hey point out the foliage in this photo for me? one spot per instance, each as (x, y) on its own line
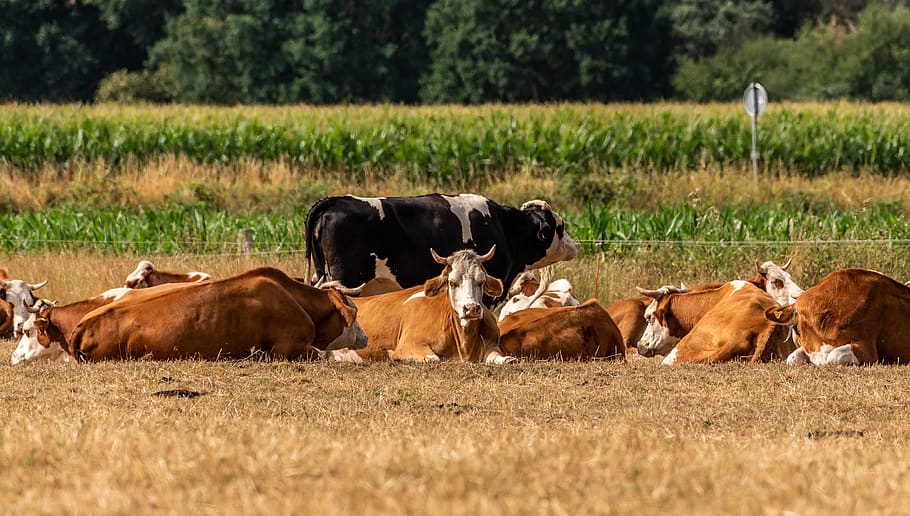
(126, 86)
(503, 50)
(704, 26)
(58, 51)
(457, 148)
(324, 51)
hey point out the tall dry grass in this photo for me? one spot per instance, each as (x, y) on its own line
(253, 437)
(250, 185)
(530, 438)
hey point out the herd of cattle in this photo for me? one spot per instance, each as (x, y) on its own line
(424, 293)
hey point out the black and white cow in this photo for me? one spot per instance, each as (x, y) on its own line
(355, 240)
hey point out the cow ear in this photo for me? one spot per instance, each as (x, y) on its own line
(781, 314)
(348, 313)
(492, 287)
(435, 286)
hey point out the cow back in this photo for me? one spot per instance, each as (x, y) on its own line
(569, 333)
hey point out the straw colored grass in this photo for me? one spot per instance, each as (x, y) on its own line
(531, 438)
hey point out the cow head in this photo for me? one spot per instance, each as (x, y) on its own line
(139, 277)
(352, 335)
(38, 340)
(19, 294)
(466, 281)
(657, 339)
(551, 232)
(778, 283)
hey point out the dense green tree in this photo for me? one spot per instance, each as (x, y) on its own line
(318, 51)
(704, 26)
(542, 50)
(57, 50)
(877, 63)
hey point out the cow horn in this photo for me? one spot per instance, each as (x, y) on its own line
(656, 294)
(344, 290)
(36, 286)
(759, 268)
(784, 266)
(439, 259)
(31, 309)
(320, 281)
(489, 254)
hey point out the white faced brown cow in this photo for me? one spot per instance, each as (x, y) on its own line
(852, 316)
(19, 294)
(443, 320)
(146, 275)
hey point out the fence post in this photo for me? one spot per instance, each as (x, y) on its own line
(245, 241)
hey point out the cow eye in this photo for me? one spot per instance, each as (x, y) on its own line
(453, 284)
(777, 283)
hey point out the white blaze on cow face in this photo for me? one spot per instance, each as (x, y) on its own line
(19, 294)
(656, 339)
(466, 281)
(29, 348)
(778, 283)
(375, 202)
(137, 278)
(461, 206)
(562, 246)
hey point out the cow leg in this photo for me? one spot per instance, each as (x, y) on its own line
(415, 353)
(798, 357)
(671, 358)
(495, 357)
(843, 355)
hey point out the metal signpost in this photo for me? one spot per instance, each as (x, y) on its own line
(756, 100)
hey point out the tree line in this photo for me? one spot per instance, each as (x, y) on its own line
(451, 51)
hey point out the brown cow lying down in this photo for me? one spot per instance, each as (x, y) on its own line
(146, 275)
(735, 328)
(853, 316)
(421, 324)
(573, 332)
(260, 310)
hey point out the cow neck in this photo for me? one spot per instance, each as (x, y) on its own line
(55, 333)
(467, 340)
(686, 311)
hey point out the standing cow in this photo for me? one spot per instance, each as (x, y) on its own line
(356, 240)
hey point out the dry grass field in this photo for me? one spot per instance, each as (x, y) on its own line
(256, 437)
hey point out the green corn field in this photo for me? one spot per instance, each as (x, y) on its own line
(458, 146)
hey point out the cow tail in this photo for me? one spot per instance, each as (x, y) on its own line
(312, 227)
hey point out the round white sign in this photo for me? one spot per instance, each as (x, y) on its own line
(755, 98)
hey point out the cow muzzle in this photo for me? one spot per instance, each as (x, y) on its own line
(471, 311)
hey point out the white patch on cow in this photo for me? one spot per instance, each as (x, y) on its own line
(375, 202)
(29, 349)
(382, 269)
(798, 357)
(670, 359)
(560, 249)
(344, 355)
(20, 295)
(415, 295)
(779, 284)
(842, 355)
(497, 359)
(656, 339)
(432, 357)
(820, 357)
(737, 286)
(461, 206)
(115, 293)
